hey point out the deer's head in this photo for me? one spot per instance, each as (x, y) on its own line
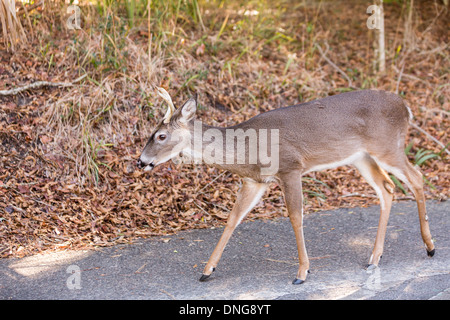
(171, 136)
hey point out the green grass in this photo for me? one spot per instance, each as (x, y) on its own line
(420, 158)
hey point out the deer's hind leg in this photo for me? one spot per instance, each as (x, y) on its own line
(384, 187)
(414, 180)
(412, 177)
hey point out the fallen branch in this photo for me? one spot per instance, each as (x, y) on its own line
(415, 126)
(410, 76)
(34, 85)
(335, 67)
(399, 79)
(39, 84)
(29, 7)
(357, 194)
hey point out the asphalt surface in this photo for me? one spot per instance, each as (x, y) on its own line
(259, 262)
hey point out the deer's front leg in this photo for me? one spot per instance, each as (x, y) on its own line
(292, 188)
(249, 195)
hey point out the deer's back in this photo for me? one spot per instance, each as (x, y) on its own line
(336, 126)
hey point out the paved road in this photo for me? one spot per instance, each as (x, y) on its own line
(258, 263)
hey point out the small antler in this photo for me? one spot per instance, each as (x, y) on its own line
(171, 108)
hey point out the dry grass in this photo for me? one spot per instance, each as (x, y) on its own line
(117, 99)
(233, 57)
(13, 32)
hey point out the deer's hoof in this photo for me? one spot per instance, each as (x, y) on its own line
(204, 277)
(300, 281)
(431, 253)
(371, 266)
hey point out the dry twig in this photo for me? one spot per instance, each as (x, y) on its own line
(350, 84)
(39, 84)
(415, 126)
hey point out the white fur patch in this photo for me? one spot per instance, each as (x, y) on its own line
(331, 165)
(365, 171)
(262, 189)
(410, 112)
(396, 172)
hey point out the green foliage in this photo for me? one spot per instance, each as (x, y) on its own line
(422, 155)
(398, 184)
(420, 158)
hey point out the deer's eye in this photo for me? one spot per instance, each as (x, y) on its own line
(161, 137)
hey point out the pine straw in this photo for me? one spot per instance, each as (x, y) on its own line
(68, 177)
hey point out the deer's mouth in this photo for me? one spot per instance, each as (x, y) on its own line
(149, 167)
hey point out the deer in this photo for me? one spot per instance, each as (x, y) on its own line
(366, 129)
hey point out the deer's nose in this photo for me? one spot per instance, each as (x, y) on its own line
(140, 164)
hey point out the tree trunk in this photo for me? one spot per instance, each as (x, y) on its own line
(381, 47)
(409, 37)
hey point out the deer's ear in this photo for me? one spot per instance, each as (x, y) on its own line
(187, 112)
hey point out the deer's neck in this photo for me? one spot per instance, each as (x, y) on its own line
(247, 152)
(208, 144)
